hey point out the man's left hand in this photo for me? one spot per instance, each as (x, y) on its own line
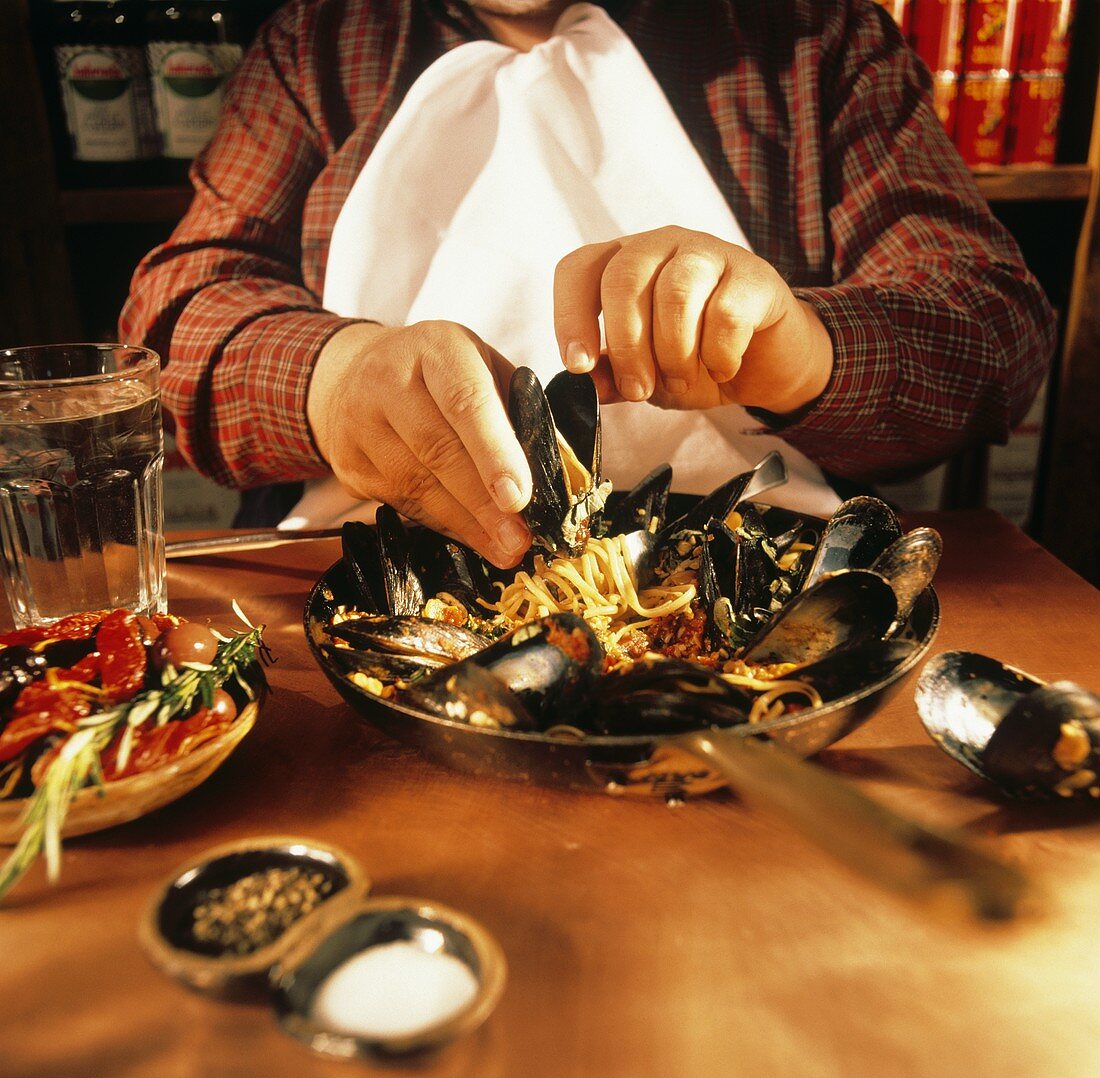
(691, 321)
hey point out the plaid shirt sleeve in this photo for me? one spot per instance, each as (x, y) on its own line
(223, 300)
(940, 335)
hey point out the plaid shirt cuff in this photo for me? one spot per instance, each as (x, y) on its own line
(862, 383)
(279, 442)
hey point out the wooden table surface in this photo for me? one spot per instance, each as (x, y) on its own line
(642, 939)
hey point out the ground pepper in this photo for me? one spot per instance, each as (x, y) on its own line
(255, 910)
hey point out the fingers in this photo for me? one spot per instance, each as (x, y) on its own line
(578, 302)
(680, 310)
(681, 294)
(470, 405)
(413, 417)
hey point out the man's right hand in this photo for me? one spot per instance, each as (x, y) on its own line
(414, 417)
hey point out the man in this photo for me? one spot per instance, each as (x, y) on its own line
(881, 321)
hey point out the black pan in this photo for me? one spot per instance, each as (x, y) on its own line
(824, 807)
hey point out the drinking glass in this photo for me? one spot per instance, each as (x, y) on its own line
(81, 456)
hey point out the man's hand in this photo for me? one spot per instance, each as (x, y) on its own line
(691, 322)
(414, 417)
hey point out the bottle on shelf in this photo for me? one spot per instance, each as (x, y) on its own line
(102, 83)
(192, 47)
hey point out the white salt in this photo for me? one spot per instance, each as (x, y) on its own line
(393, 990)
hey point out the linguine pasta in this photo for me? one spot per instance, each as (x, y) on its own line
(599, 586)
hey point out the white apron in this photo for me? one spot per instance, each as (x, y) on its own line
(496, 165)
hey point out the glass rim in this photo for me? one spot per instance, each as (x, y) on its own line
(149, 360)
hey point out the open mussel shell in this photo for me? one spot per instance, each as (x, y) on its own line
(854, 537)
(645, 548)
(1028, 737)
(643, 507)
(847, 670)
(469, 693)
(408, 636)
(837, 612)
(551, 664)
(908, 564)
(558, 429)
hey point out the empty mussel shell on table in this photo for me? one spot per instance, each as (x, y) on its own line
(1027, 736)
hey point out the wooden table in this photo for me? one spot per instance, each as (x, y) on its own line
(642, 939)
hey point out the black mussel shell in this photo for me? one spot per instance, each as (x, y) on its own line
(448, 566)
(1028, 737)
(653, 712)
(855, 535)
(770, 471)
(404, 593)
(558, 515)
(470, 694)
(408, 636)
(835, 613)
(359, 543)
(1048, 740)
(386, 666)
(673, 676)
(650, 551)
(908, 564)
(643, 507)
(551, 664)
(851, 669)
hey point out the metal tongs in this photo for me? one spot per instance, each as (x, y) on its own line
(257, 540)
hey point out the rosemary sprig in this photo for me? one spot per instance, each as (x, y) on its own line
(78, 762)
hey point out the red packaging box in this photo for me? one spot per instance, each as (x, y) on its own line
(1044, 36)
(937, 33)
(945, 99)
(991, 36)
(981, 125)
(1033, 119)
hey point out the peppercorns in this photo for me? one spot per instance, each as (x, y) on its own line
(255, 910)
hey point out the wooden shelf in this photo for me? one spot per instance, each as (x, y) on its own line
(1034, 183)
(124, 205)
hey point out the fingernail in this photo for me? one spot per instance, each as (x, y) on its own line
(577, 358)
(511, 536)
(676, 385)
(505, 492)
(632, 389)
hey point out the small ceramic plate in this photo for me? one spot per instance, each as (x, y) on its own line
(118, 802)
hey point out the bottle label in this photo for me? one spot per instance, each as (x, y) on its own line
(106, 102)
(188, 84)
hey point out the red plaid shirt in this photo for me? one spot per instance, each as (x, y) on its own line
(813, 117)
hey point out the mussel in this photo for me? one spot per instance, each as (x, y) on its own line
(836, 613)
(856, 534)
(559, 431)
(1028, 737)
(550, 665)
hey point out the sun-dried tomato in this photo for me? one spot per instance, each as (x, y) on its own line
(42, 708)
(74, 627)
(154, 746)
(122, 658)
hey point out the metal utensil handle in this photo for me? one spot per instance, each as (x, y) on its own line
(938, 867)
(258, 540)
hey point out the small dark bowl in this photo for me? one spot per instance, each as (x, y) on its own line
(166, 928)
